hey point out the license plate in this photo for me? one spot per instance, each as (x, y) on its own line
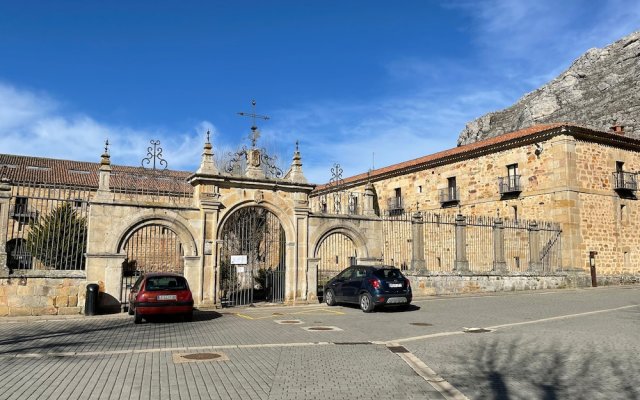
(395, 285)
(167, 297)
(396, 300)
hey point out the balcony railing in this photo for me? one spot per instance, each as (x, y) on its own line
(626, 181)
(449, 195)
(509, 184)
(394, 204)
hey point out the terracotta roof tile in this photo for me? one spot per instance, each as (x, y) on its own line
(79, 173)
(486, 144)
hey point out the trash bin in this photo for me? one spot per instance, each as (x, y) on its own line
(91, 299)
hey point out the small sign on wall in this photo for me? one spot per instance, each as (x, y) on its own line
(239, 260)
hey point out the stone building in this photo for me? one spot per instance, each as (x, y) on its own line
(529, 209)
(585, 180)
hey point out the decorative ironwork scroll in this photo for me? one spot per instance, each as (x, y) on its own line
(265, 161)
(154, 156)
(336, 181)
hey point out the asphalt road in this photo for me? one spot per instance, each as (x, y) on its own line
(565, 344)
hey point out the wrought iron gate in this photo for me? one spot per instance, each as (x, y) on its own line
(252, 259)
(152, 248)
(336, 252)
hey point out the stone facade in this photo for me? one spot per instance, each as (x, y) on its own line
(566, 176)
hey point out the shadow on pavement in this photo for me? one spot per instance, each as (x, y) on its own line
(385, 309)
(517, 369)
(198, 316)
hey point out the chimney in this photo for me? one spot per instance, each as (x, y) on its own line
(617, 129)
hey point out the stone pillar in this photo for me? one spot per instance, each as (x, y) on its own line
(106, 271)
(499, 263)
(534, 247)
(301, 279)
(369, 195)
(5, 200)
(417, 240)
(209, 276)
(461, 263)
(192, 274)
(312, 279)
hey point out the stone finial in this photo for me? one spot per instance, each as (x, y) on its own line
(295, 173)
(105, 158)
(207, 164)
(105, 170)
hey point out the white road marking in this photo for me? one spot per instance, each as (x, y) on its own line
(537, 321)
(560, 317)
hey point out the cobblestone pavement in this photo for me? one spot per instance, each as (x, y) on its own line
(309, 352)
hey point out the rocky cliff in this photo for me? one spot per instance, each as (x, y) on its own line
(600, 89)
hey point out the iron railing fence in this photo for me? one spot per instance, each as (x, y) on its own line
(397, 248)
(340, 203)
(47, 226)
(518, 239)
(151, 186)
(439, 241)
(479, 243)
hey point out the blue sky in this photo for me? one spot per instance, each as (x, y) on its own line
(360, 83)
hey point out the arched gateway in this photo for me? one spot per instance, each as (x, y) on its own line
(243, 234)
(252, 257)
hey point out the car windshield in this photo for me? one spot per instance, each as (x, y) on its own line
(388, 273)
(166, 283)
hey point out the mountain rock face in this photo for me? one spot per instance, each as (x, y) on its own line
(600, 89)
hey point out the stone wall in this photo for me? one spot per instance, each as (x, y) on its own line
(36, 294)
(451, 284)
(609, 221)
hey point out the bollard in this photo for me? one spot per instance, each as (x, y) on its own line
(91, 299)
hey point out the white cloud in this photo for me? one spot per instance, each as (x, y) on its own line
(389, 130)
(35, 124)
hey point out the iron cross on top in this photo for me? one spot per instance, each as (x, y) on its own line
(255, 134)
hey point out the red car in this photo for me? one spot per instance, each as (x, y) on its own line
(160, 293)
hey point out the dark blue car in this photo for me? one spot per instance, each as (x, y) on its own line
(369, 286)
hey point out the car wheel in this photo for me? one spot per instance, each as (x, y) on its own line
(366, 302)
(137, 318)
(330, 298)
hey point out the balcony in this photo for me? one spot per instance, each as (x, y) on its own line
(626, 182)
(449, 196)
(394, 205)
(509, 185)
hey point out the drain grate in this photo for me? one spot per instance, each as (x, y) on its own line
(277, 313)
(397, 349)
(476, 330)
(321, 328)
(420, 324)
(195, 357)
